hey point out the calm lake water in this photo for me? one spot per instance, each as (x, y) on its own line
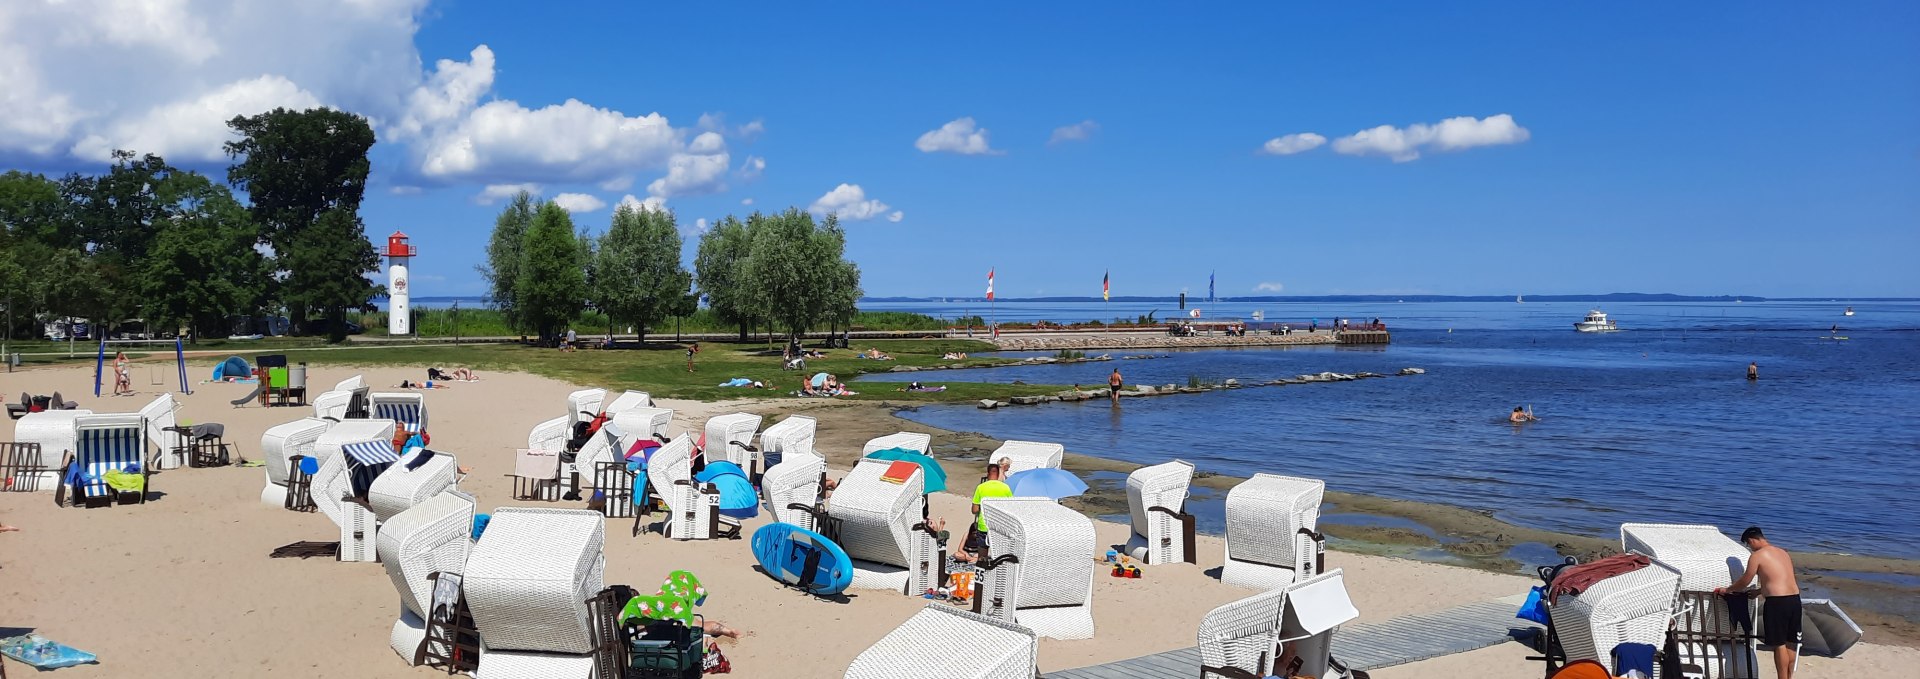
(1655, 423)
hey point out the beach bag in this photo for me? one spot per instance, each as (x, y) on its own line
(664, 649)
(1535, 608)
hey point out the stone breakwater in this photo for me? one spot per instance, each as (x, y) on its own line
(1157, 341)
(1144, 390)
(1035, 360)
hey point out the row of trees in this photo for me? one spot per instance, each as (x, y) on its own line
(171, 246)
(782, 270)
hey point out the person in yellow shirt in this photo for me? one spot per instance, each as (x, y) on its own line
(994, 486)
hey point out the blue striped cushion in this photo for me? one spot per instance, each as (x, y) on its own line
(372, 452)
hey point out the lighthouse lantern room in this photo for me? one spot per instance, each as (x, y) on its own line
(399, 312)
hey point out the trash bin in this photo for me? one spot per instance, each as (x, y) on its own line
(297, 376)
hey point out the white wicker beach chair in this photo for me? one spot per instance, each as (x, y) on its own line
(553, 434)
(1039, 570)
(883, 529)
(1709, 645)
(791, 436)
(943, 642)
(729, 438)
(529, 665)
(170, 450)
(621, 431)
(1314, 609)
(332, 404)
(1027, 455)
(53, 430)
(279, 445)
(407, 408)
(431, 537)
(103, 443)
(398, 489)
(529, 577)
(919, 443)
(1635, 607)
(1271, 537)
(1156, 501)
(693, 510)
(792, 489)
(1242, 638)
(627, 400)
(359, 530)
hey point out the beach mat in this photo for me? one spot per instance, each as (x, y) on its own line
(307, 550)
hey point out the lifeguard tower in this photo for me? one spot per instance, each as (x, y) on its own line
(399, 312)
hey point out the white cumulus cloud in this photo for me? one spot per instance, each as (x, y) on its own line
(579, 202)
(961, 136)
(1080, 131)
(700, 225)
(1268, 287)
(1452, 134)
(851, 203)
(1293, 143)
(494, 193)
(896, 216)
(746, 201)
(700, 169)
(752, 167)
(649, 204)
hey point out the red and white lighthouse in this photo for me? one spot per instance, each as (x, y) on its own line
(399, 312)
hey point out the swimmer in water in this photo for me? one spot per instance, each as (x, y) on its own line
(1521, 416)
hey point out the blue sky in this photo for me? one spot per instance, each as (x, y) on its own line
(1753, 148)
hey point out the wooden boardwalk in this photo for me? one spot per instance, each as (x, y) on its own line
(1363, 647)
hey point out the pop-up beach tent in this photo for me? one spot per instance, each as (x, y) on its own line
(234, 366)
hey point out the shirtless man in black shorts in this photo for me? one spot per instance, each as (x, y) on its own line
(1780, 613)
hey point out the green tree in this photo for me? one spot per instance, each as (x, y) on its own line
(203, 266)
(551, 287)
(327, 267)
(790, 273)
(502, 269)
(637, 274)
(298, 169)
(843, 279)
(33, 209)
(720, 265)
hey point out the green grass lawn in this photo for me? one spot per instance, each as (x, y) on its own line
(661, 368)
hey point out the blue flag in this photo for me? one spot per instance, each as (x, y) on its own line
(1209, 286)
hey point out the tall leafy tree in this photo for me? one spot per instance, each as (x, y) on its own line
(843, 279)
(720, 267)
(551, 287)
(637, 274)
(502, 269)
(326, 270)
(203, 266)
(790, 276)
(298, 169)
(33, 209)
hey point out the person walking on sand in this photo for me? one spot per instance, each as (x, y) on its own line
(1780, 612)
(1753, 371)
(1113, 386)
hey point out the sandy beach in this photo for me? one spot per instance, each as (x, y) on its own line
(183, 586)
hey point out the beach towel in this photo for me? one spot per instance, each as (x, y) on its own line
(480, 524)
(43, 653)
(1739, 613)
(1576, 579)
(1633, 657)
(737, 382)
(125, 482)
(898, 472)
(675, 601)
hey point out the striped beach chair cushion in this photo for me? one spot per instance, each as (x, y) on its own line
(371, 452)
(406, 414)
(99, 451)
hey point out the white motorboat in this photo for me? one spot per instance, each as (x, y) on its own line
(1596, 321)
(1849, 311)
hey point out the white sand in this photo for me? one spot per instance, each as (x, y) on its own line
(183, 587)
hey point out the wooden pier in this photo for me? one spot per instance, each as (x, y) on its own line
(1363, 337)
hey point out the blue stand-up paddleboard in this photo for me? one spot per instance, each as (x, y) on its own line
(802, 558)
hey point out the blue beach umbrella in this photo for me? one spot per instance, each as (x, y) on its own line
(819, 380)
(737, 498)
(936, 476)
(1046, 482)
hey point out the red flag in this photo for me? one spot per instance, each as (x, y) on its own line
(1106, 286)
(989, 284)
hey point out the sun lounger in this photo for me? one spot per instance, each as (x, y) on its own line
(1156, 501)
(1027, 455)
(407, 408)
(1634, 607)
(729, 438)
(359, 530)
(529, 577)
(883, 529)
(1248, 638)
(431, 537)
(793, 435)
(950, 644)
(1039, 567)
(53, 431)
(1708, 645)
(170, 447)
(918, 443)
(398, 488)
(693, 510)
(1271, 531)
(792, 489)
(279, 446)
(107, 443)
